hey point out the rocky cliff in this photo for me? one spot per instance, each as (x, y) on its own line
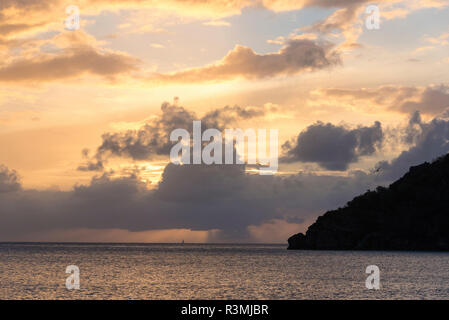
(411, 214)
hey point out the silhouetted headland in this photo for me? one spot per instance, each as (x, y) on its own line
(411, 214)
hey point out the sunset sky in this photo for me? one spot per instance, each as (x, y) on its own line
(85, 114)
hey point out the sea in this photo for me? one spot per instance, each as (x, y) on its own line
(215, 271)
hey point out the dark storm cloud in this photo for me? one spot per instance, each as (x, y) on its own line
(153, 138)
(198, 197)
(429, 140)
(333, 147)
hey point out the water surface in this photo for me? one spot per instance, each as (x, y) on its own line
(206, 271)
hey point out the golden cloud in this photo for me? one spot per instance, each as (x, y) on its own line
(242, 62)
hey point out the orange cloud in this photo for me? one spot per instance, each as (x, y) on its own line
(120, 235)
(76, 54)
(72, 63)
(432, 99)
(242, 62)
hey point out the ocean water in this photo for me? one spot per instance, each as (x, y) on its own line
(206, 271)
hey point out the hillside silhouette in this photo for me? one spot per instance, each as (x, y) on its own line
(411, 214)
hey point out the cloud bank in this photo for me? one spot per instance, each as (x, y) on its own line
(195, 197)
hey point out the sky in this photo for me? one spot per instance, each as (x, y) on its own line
(86, 112)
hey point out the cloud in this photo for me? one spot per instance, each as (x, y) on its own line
(333, 147)
(348, 20)
(153, 138)
(431, 100)
(23, 20)
(224, 197)
(7, 29)
(20, 18)
(9, 180)
(345, 20)
(242, 62)
(194, 197)
(441, 40)
(28, 17)
(217, 23)
(15, 13)
(71, 63)
(122, 236)
(74, 54)
(429, 140)
(222, 200)
(236, 205)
